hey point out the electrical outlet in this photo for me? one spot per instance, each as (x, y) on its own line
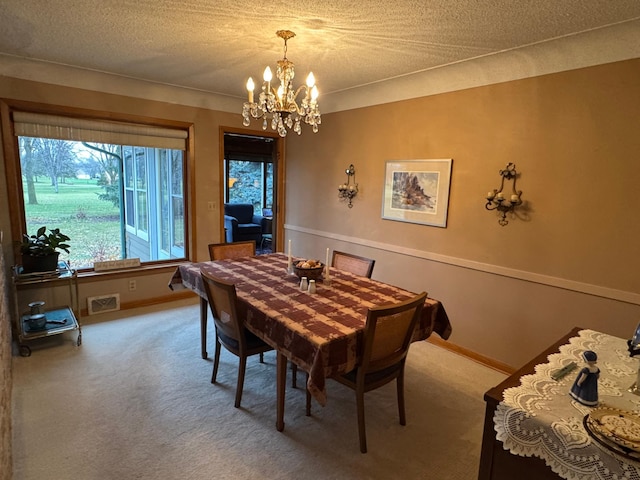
(132, 285)
(210, 206)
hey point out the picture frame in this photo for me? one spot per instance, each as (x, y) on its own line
(417, 191)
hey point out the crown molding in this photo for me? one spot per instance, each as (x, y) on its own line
(605, 45)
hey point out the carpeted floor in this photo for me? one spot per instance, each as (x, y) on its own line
(135, 402)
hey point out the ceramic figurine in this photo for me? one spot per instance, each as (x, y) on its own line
(585, 387)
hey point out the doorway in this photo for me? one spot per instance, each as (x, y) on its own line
(252, 175)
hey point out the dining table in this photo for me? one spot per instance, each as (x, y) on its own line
(321, 332)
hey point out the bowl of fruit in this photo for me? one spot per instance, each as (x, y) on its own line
(312, 269)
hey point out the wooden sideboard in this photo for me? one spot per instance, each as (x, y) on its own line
(496, 463)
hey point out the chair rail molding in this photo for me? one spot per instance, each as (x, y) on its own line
(586, 288)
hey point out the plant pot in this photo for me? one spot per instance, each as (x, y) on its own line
(44, 263)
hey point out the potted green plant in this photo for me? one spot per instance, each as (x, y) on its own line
(40, 251)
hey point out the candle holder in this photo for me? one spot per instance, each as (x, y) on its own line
(348, 191)
(496, 199)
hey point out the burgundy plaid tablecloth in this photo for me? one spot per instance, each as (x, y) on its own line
(319, 332)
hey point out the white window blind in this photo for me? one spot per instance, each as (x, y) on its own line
(28, 124)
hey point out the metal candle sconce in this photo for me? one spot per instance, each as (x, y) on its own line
(496, 200)
(348, 191)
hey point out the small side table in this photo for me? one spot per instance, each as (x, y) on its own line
(58, 319)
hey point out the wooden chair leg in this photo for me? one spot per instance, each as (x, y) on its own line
(361, 428)
(204, 309)
(294, 375)
(401, 412)
(308, 403)
(241, 369)
(216, 361)
(261, 357)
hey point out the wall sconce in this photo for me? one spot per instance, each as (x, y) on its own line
(348, 191)
(497, 200)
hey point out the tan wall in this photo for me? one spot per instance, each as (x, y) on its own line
(573, 137)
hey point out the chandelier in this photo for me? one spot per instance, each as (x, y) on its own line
(281, 104)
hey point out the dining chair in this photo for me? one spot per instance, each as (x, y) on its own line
(221, 251)
(386, 340)
(230, 330)
(352, 263)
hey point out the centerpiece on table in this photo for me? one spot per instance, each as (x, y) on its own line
(312, 269)
(40, 252)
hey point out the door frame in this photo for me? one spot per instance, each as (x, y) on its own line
(279, 170)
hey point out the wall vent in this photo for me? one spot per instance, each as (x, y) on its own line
(103, 303)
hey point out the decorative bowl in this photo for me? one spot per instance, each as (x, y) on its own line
(312, 273)
(37, 322)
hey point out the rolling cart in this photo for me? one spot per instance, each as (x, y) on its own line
(54, 320)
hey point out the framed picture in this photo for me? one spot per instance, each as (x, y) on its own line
(417, 191)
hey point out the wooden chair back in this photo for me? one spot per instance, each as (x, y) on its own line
(388, 333)
(222, 300)
(387, 336)
(222, 251)
(352, 263)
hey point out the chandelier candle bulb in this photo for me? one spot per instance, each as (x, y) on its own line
(250, 87)
(311, 81)
(514, 199)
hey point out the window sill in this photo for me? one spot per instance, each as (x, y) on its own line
(92, 276)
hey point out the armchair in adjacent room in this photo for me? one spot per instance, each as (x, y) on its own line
(241, 224)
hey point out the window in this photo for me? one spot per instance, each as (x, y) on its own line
(249, 181)
(117, 189)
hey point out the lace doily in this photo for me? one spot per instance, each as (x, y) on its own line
(539, 418)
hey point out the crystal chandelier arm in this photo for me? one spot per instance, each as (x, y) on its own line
(300, 88)
(293, 106)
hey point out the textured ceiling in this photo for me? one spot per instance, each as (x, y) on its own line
(214, 46)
